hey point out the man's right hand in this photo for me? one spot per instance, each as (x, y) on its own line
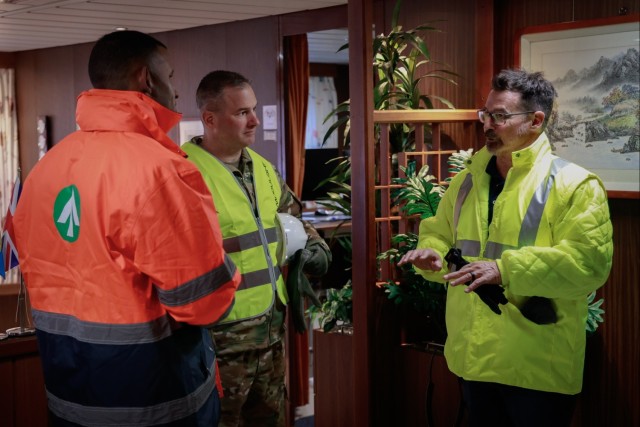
(424, 259)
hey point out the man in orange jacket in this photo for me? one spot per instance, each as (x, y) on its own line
(122, 254)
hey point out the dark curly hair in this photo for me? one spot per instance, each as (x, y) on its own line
(117, 55)
(537, 93)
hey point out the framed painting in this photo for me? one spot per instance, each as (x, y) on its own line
(594, 66)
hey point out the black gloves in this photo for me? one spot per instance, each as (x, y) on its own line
(539, 310)
(490, 295)
(319, 259)
(298, 285)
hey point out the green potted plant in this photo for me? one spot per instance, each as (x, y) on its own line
(418, 198)
(336, 310)
(400, 58)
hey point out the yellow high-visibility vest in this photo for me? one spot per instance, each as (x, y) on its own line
(249, 235)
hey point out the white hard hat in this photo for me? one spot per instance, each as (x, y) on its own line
(291, 237)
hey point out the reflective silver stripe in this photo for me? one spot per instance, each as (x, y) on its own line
(469, 247)
(258, 277)
(103, 333)
(198, 287)
(248, 241)
(271, 268)
(530, 224)
(161, 413)
(494, 250)
(533, 216)
(464, 191)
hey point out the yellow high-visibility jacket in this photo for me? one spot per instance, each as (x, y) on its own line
(551, 236)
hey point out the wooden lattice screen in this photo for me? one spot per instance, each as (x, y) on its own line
(451, 131)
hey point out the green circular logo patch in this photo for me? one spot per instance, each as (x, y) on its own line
(66, 213)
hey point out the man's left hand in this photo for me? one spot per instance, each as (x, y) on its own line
(320, 259)
(478, 273)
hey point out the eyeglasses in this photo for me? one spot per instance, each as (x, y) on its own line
(498, 118)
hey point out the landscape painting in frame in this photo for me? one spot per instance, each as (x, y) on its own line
(596, 72)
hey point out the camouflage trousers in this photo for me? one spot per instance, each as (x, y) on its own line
(253, 384)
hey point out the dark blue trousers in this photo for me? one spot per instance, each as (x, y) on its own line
(499, 405)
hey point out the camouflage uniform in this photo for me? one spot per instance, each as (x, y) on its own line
(251, 354)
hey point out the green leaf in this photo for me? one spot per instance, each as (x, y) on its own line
(343, 47)
(427, 99)
(333, 127)
(594, 313)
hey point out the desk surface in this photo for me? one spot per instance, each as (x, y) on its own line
(325, 224)
(15, 346)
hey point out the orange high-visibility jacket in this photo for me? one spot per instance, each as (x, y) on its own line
(121, 252)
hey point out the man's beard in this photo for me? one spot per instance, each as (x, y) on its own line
(492, 142)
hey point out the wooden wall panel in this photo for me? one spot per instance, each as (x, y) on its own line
(27, 98)
(592, 9)
(8, 302)
(23, 402)
(451, 48)
(81, 81)
(199, 51)
(257, 58)
(313, 20)
(452, 45)
(611, 389)
(434, 394)
(55, 91)
(7, 401)
(334, 406)
(194, 54)
(366, 395)
(484, 40)
(7, 60)
(31, 407)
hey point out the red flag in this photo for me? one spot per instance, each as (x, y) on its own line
(9, 251)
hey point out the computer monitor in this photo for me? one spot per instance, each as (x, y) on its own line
(316, 169)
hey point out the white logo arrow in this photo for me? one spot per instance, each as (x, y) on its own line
(69, 213)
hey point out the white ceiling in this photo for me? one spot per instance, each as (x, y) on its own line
(324, 45)
(35, 24)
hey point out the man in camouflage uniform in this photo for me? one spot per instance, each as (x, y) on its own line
(248, 191)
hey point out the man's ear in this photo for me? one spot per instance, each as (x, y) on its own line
(142, 80)
(538, 119)
(208, 118)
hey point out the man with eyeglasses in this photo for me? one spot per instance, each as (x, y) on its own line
(534, 227)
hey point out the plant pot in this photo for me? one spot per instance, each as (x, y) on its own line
(420, 328)
(333, 379)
